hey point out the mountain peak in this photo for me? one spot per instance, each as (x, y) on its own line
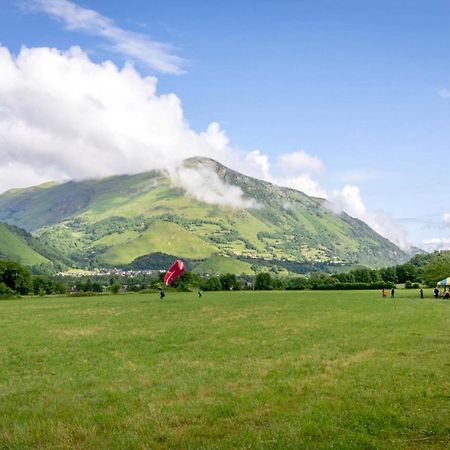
(114, 220)
(200, 160)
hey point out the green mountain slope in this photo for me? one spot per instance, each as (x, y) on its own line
(115, 220)
(15, 245)
(217, 264)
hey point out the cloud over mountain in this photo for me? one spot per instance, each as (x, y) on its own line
(64, 116)
(349, 199)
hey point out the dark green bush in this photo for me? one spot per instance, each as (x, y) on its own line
(82, 294)
(114, 288)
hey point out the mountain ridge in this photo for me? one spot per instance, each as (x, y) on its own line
(113, 221)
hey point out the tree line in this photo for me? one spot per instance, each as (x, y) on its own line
(422, 269)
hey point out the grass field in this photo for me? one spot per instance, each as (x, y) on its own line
(253, 370)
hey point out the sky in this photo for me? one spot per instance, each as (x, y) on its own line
(345, 100)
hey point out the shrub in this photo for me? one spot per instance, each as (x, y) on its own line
(5, 291)
(212, 284)
(351, 286)
(114, 288)
(42, 285)
(263, 282)
(82, 294)
(298, 283)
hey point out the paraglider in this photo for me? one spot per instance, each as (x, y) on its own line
(174, 271)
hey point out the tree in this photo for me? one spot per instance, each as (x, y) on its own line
(406, 272)
(389, 275)
(186, 280)
(318, 277)
(42, 285)
(345, 277)
(263, 281)
(15, 277)
(296, 283)
(229, 282)
(212, 284)
(362, 275)
(375, 276)
(60, 287)
(437, 269)
(277, 283)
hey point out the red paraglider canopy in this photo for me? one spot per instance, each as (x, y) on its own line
(175, 270)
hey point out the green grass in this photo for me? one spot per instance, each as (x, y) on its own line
(284, 370)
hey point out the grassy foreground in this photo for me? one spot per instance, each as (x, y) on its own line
(281, 370)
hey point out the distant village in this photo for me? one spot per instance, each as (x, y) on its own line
(109, 272)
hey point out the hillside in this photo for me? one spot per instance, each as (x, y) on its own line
(17, 245)
(115, 220)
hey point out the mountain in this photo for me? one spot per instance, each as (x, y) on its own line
(20, 246)
(129, 219)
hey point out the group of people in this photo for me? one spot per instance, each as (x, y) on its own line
(384, 292)
(436, 293)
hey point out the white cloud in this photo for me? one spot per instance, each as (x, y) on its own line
(297, 169)
(385, 225)
(206, 186)
(64, 116)
(446, 218)
(300, 163)
(15, 174)
(155, 55)
(436, 244)
(258, 165)
(349, 199)
(304, 183)
(302, 166)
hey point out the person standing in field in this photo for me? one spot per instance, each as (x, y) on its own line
(421, 293)
(384, 293)
(436, 293)
(392, 293)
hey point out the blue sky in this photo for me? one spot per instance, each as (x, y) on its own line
(359, 85)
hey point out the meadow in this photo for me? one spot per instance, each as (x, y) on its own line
(235, 370)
